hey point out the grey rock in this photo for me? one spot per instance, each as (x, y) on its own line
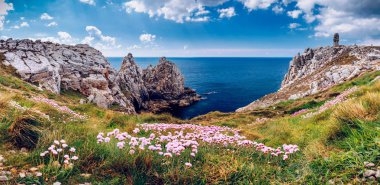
(81, 68)
(319, 69)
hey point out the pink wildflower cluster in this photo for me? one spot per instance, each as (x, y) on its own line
(171, 140)
(59, 107)
(340, 98)
(61, 153)
(300, 112)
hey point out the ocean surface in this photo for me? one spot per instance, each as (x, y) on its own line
(226, 84)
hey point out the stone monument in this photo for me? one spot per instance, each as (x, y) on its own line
(336, 39)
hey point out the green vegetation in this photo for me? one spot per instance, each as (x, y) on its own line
(334, 144)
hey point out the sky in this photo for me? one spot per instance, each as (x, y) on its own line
(193, 28)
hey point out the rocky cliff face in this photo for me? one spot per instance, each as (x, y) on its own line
(319, 69)
(84, 69)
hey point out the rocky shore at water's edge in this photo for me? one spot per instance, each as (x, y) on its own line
(81, 68)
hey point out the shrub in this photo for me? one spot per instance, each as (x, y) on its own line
(25, 132)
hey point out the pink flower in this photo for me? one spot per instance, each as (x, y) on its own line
(107, 139)
(188, 165)
(168, 155)
(64, 145)
(72, 149)
(131, 152)
(120, 145)
(136, 130)
(74, 158)
(285, 157)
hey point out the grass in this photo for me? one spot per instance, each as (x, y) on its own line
(334, 144)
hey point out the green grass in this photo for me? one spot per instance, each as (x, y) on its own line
(334, 144)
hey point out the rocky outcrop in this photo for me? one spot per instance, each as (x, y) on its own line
(81, 68)
(165, 86)
(319, 69)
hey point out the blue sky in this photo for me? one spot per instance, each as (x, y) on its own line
(193, 27)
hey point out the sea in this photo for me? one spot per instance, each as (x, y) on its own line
(225, 84)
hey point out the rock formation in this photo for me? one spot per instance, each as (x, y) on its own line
(319, 69)
(82, 68)
(165, 85)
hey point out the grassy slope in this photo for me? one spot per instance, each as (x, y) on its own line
(334, 144)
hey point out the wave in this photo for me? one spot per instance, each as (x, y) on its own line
(211, 92)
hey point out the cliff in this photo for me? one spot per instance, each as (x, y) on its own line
(319, 69)
(81, 68)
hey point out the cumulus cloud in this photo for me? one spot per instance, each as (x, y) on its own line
(257, 4)
(4, 8)
(46, 16)
(175, 10)
(294, 14)
(146, 37)
(98, 40)
(61, 38)
(64, 35)
(277, 9)
(353, 18)
(52, 24)
(89, 2)
(227, 12)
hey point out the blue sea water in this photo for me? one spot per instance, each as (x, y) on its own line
(225, 83)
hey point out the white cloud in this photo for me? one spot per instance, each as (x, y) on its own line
(335, 21)
(176, 10)
(354, 19)
(64, 35)
(52, 24)
(4, 8)
(257, 4)
(46, 16)
(24, 24)
(277, 9)
(295, 13)
(89, 2)
(61, 38)
(146, 37)
(294, 25)
(96, 39)
(227, 12)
